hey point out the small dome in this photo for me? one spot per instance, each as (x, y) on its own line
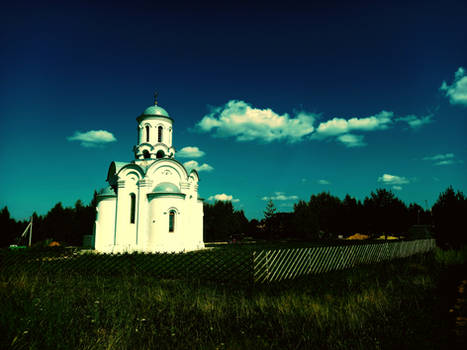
(106, 191)
(166, 187)
(156, 110)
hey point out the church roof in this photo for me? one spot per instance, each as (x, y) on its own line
(106, 191)
(166, 187)
(156, 110)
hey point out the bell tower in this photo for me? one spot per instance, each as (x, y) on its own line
(154, 134)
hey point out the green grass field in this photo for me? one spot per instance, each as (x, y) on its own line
(405, 303)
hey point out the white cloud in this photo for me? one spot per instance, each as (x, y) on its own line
(440, 156)
(238, 119)
(193, 164)
(393, 179)
(397, 188)
(93, 138)
(444, 159)
(223, 197)
(190, 152)
(449, 162)
(324, 182)
(457, 91)
(280, 196)
(416, 122)
(339, 126)
(351, 140)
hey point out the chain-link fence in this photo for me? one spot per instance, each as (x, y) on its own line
(227, 265)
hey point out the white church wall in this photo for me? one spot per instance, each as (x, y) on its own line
(105, 224)
(127, 215)
(160, 239)
(143, 215)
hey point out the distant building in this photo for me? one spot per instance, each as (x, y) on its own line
(151, 203)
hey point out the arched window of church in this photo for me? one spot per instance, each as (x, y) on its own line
(172, 221)
(147, 133)
(146, 154)
(159, 134)
(160, 154)
(132, 208)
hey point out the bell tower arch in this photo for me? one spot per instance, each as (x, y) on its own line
(154, 134)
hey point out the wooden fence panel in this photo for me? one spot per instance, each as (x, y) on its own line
(281, 264)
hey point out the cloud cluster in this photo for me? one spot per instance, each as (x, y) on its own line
(193, 164)
(190, 152)
(339, 126)
(280, 196)
(223, 197)
(238, 119)
(443, 159)
(324, 182)
(416, 122)
(93, 138)
(193, 152)
(351, 140)
(457, 91)
(394, 181)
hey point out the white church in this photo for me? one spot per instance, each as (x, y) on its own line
(151, 204)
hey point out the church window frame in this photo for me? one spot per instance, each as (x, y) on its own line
(132, 208)
(159, 134)
(172, 220)
(147, 132)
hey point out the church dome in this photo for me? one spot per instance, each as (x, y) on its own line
(166, 187)
(156, 110)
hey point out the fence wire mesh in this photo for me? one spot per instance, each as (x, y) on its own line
(236, 265)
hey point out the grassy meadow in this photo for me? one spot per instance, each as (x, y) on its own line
(407, 303)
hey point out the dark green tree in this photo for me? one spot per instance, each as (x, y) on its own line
(386, 214)
(351, 216)
(306, 223)
(270, 229)
(327, 209)
(221, 221)
(270, 210)
(448, 215)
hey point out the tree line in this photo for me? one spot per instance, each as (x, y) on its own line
(324, 216)
(63, 224)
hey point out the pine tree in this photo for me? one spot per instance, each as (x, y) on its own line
(270, 210)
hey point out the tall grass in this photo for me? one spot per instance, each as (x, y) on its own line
(389, 305)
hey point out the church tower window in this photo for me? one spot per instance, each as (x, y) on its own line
(132, 208)
(172, 221)
(159, 134)
(147, 133)
(160, 154)
(146, 154)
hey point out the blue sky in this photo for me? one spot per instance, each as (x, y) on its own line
(274, 103)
